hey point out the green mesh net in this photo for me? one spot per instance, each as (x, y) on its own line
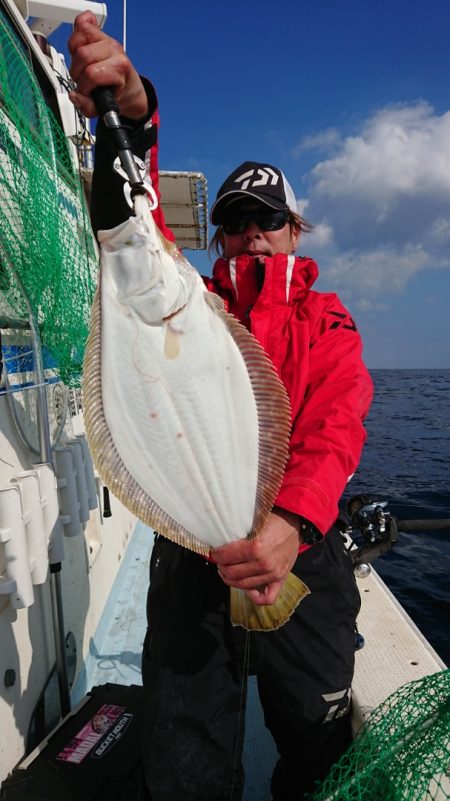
(48, 260)
(402, 753)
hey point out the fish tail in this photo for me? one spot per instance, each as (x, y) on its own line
(267, 618)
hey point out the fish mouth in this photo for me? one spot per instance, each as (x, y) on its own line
(174, 314)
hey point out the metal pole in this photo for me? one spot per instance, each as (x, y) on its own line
(60, 640)
(45, 450)
(10, 322)
(125, 25)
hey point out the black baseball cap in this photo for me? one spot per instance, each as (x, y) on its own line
(262, 182)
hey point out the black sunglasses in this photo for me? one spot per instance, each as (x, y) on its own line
(271, 221)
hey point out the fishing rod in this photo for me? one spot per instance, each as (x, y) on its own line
(367, 521)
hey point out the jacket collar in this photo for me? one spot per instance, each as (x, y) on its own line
(286, 278)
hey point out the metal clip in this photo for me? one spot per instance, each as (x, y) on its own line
(153, 200)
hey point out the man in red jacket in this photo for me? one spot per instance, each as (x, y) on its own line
(194, 662)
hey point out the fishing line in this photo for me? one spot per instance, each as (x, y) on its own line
(237, 756)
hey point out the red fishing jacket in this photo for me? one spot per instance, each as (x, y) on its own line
(316, 349)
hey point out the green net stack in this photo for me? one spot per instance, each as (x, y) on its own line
(48, 261)
(402, 753)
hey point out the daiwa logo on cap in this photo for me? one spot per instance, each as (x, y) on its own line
(265, 174)
(263, 182)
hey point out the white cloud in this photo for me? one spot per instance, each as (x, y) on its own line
(302, 206)
(380, 270)
(365, 305)
(319, 141)
(321, 236)
(440, 229)
(381, 202)
(401, 149)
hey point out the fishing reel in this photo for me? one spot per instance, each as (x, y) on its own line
(370, 529)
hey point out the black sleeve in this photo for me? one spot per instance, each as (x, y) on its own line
(108, 204)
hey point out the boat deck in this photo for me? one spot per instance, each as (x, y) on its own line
(394, 654)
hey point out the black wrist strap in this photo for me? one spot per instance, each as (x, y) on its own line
(309, 532)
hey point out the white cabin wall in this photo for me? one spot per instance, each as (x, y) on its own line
(90, 565)
(26, 648)
(25, 634)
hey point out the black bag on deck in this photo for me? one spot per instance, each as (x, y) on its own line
(94, 754)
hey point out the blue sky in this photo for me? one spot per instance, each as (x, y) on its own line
(352, 101)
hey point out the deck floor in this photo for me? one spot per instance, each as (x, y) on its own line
(115, 656)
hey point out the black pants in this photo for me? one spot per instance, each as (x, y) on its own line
(195, 688)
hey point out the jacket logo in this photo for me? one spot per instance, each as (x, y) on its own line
(262, 177)
(343, 321)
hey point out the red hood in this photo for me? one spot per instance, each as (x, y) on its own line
(292, 275)
(287, 279)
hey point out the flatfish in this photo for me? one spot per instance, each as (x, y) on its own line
(186, 418)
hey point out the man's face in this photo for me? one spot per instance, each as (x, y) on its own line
(256, 242)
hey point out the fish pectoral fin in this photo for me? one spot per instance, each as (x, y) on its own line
(267, 618)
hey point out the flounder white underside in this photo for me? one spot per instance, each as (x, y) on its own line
(187, 421)
(186, 418)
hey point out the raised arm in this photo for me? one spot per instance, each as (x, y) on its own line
(98, 60)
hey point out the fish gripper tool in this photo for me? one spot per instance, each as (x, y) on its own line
(106, 105)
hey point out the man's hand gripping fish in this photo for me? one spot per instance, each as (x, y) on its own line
(187, 421)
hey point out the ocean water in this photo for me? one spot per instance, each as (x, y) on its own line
(406, 462)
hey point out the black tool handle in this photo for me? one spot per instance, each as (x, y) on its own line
(106, 503)
(108, 110)
(103, 97)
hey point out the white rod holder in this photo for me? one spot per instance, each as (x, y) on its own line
(80, 477)
(13, 537)
(67, 488)
(90, 475)
(50, 508)
(37, 540)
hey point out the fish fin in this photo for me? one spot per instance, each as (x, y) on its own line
(214, 301)
(108, 462)
(274, 417)
(267, 618)
(170, 247)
